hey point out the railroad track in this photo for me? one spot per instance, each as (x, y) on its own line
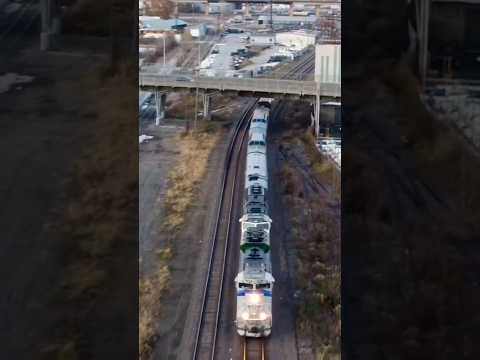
(206, 336)
(304, 67)
(254, 349)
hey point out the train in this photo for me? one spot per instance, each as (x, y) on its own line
(254, 281)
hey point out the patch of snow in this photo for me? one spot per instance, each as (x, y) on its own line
(143, 138)
(9, 79)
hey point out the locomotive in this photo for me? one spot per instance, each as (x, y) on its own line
(254, 281)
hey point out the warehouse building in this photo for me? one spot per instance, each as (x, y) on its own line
(445, 36)
(328, 60)
(288, 20)
(155, 24)
(297, 40)
(262, 39)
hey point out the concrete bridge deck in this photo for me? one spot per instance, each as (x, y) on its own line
(304, 2)
(255, 86)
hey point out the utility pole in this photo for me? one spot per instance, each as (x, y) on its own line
(271, 16)
(46, 21)
(196, 95)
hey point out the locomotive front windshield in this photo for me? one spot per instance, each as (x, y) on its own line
(263, 286)
(245, 286)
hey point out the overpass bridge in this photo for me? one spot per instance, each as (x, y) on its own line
(303, 2)
(249, 86)
(160, 85)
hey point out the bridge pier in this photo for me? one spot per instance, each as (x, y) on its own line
(46, 11)
(316, 124)
(206, 106)
(318, 11)
(290, 9)
(50, 15)
(160, 99)
(247, 9)
(207, 8)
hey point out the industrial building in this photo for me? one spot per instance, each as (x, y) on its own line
(198, 31)
(297, 40)
(288, 20)
(455, 38)
(155, 24)
(445, 38)
(262, 39)
(328, 61)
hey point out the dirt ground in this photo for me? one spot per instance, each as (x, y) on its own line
(304, 202)
(31, 178)
(49, 123)
(157, 157)
(181, 302)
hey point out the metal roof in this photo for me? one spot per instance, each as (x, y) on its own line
(159, 24)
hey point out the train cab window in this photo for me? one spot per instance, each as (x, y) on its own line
(263, 286)
(245, 286)
(253, 178)
(261, 143)
(256, 167)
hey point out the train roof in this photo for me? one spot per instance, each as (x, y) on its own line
(257, 136)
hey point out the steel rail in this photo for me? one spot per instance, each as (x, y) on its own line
(243, 123)
(258, 351)
(230, 152)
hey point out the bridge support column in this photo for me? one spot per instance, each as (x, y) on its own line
(317, 115)
(290, 9)
(45, 8)
(247, 9)
(207, 8)
(160, 99)
(423, 21)
(206, 107)
(318, 11)
(51, 22)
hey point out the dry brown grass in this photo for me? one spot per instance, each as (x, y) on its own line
(315, 231)
(95, 226)
(183, 181)
(151, 290)
(323, 167)
(195, 148)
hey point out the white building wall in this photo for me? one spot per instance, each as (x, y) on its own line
(328, 61)
(220, 8)
(198, 31)
(300, 39)
(262, 39)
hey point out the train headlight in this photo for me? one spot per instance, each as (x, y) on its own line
(263, 316)
(254, 298)
(245, 315)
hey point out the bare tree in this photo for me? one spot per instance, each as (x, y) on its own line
(162, 8)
